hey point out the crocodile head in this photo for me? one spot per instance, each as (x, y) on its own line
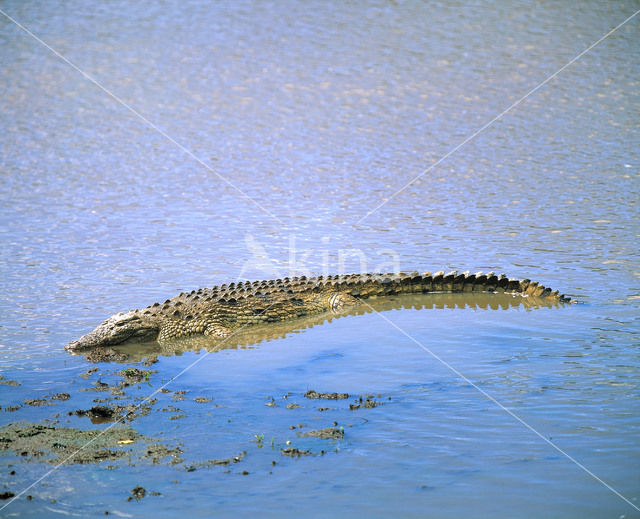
(130, 326)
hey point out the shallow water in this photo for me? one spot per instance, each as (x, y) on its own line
(303, 119)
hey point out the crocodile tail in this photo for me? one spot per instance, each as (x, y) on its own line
(373, 285)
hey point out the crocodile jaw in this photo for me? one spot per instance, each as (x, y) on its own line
(116, 330)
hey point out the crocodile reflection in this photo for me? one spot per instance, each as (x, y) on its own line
(253, 335)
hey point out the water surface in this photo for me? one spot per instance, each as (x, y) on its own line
(303, 118)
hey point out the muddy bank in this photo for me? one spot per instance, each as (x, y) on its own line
(129, 394)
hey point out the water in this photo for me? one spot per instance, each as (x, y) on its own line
(305, 118)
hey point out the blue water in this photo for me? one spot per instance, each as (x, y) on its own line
(300, 120)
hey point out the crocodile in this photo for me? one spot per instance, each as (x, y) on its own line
(224, 310)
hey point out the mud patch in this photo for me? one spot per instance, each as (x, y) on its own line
(327, 396)
(107, 354)
(329, 433)
(63, 444)
(99, 414)
(367, 402)
(36, 402)
(89, 372)
(171, 409)
(150, 361)
(133, 376)
(130, 377)
(5, 382)
(137, 493)
(293, 452)
(216, 462)
(179, 395)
